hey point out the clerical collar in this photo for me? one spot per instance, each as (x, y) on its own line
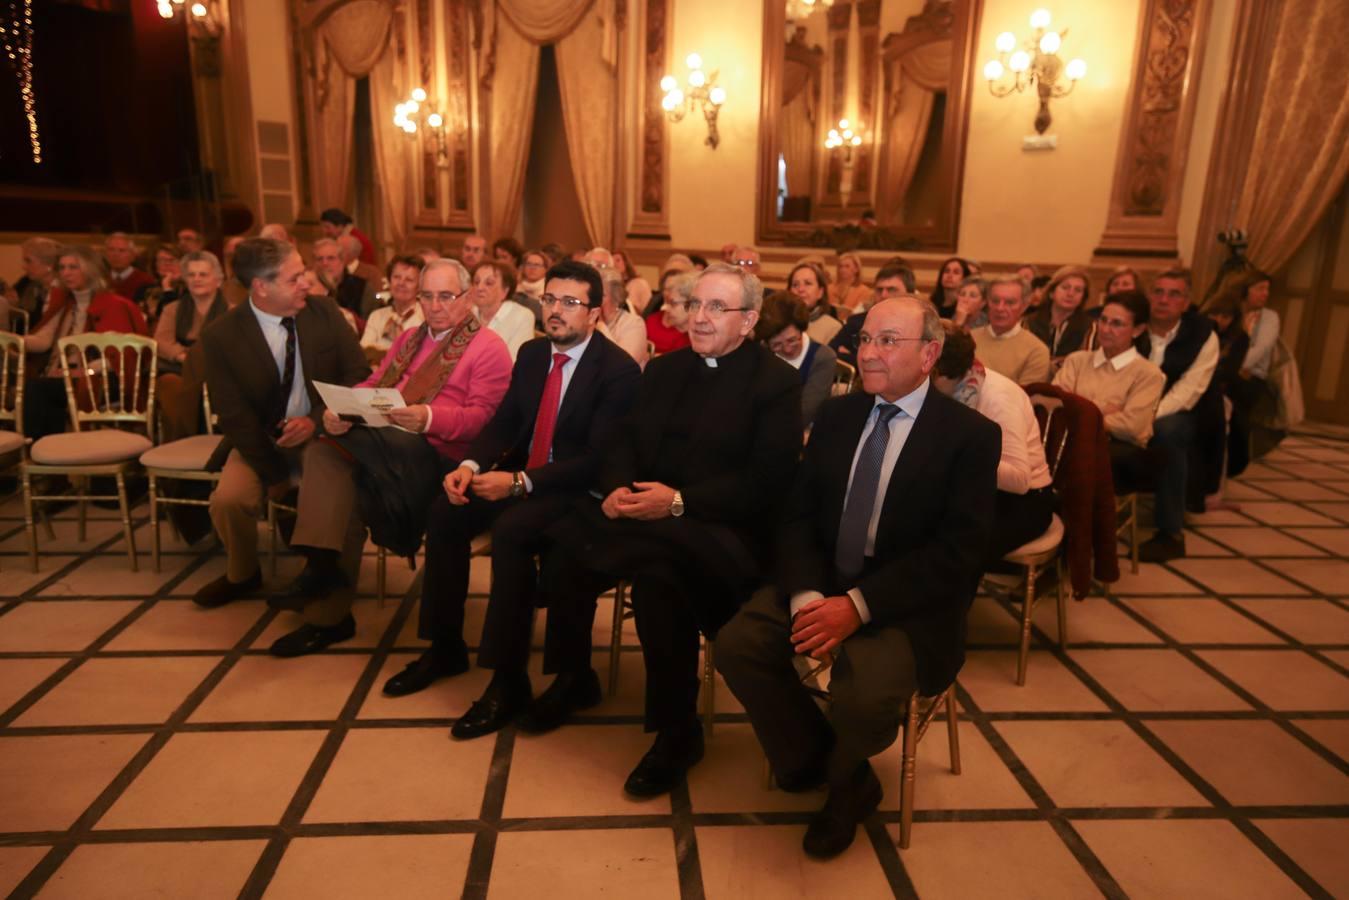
(712, 361)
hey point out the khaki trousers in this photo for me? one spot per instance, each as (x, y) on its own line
(236, 504)
(326, 519)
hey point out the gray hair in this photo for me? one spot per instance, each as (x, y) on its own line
(123, 236)
(260, 258)
(751, 288)
(205, 256)
(94, 268)
(350, 246)
(45, 249)
(1015, 280)
(614, 287)
(446, 262)
(326, 242)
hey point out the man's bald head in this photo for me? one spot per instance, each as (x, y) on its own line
(900, 343)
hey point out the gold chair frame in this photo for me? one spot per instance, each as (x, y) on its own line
(845, 379)
(107, 406)
(623, 612)
(1127, 506)
(11, 385)
(154, 473)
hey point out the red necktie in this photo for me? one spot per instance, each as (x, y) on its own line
(547, 417)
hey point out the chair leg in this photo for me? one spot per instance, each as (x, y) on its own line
(28, 519)
(126, 520)
(709, 688)
(271, 537)
(154, 522)
(381, 561)
(82, 487)
(952, 729)
(1027, 608)
(1060, 571)
(1133, 532)
(616, 641)
(908, 767)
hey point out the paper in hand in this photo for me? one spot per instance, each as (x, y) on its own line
(369, 405)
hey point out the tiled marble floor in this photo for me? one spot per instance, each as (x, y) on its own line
(1191, 741)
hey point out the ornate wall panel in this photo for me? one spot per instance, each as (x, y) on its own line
(650, 217)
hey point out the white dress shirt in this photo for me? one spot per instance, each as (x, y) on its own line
(1189, 387)
(900, 426)
(1263, 338)
(275, 335)
(374, 326)
(514, 324)
(801, 357)
(1022, 466)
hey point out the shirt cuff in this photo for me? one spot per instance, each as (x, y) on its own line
(472, 464)
(529, 485)
(430, 414)
(863, 611)
(800, 599)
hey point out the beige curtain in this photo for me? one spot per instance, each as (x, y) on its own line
(544, 21)
(588, 83)
(335, 100)
(393, 151)
(917, 77)
(798, 143)
(1300, 155)
(514, 90)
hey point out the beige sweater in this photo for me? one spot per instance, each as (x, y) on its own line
(1018, 354)
(1128, 386)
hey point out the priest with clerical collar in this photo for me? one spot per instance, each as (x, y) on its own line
(452, 373)
(690, 491)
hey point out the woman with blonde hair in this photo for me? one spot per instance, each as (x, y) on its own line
(849, 292)
(1062, 322)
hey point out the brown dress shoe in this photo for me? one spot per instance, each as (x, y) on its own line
(222, 590)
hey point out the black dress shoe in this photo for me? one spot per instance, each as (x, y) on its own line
(423, 671)
(1162, 547)
(504, 699)
(222, 590)
(811, 778)
(832, 829)
(569, 693)
(312, 638)
(665, 764)
(308, 586)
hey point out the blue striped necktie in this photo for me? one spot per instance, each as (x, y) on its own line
(852, 528)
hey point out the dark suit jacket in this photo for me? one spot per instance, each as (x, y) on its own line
(356, 294)
(933, 528)
(598, 397)
(246, 387)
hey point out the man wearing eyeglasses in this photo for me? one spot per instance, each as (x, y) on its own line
(878, 558)
(537, 456)
(688, 496)
(452, 373)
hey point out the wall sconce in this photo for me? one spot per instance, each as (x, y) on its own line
(1038, 64)
(198, 14)
(703, 93)
(798, 10)
(416, 111)
(845, 139)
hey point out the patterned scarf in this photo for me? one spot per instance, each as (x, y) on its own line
(423, 385)
(967, 390)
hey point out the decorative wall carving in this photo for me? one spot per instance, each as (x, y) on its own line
(653, 117)
(426, 69)
(1166, 60)
(457, 112)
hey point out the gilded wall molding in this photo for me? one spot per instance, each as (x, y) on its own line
(644, 118)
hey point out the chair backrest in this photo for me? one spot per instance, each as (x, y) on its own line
(113, 381)
(211, 419)
(11, 379)
(845, 378)
(18, 320)
(1053, 422)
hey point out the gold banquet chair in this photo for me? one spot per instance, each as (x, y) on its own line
(182, 460)
(845, 379)
(116, 382)
(12, 441)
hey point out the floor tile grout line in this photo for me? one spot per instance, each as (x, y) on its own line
(887, 854)
(1285, 863)
(688, 861)
(482, 856)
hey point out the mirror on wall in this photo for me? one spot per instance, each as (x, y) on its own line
(863, 120)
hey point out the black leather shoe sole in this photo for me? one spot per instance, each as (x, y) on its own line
(222, 591)
(418, 677)
(309, 639)
(551, 709)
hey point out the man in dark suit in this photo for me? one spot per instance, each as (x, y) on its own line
(352, 292)
(879, 557)
(262, 358)
(538, 453)
(690, 491)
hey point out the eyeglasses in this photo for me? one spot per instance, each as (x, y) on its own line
(570, 303)
(746, 262)
(444, 297)
(714, 307)
(883, 341)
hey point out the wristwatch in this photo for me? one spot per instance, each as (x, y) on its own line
(677, 505)
(517, 484)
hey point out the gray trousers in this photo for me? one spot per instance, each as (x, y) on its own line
(870, 683)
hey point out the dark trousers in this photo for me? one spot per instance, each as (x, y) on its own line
(870, 684)
(517, 528)
(1019, 519)
(1133, 468)
(1173, 439)
(44, 407)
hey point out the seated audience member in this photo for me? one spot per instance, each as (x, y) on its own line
(952, 272)
(401, 314)
(675, 264)
(617, 323)
(599, 257)
(177, 333)
(350, 292)
(427, 254)
(1180, 341)
(336, 224)
(1027, 273)
(274, 231)
(667, 328)
(493, 282)
(971, 297)
(189, 240)
(235, 293)
(893, 280)
(508, 250)
(1261, 323)
(262, 358)
(808, 283)
(1003, 345)
(783, 328)
(728, 253)
(1062, 323)
(746, 258)
(1122, 279)
(691, 490)
(976, 268)
(699, 261)
(1230, 448)
(534, 265)
(351, 260)
(637, 288)
(848, 293)
(1124, 385)
(473, 251)
(1025, 502)
(124, 278)
(536, 458)
(39, 275)
(878, 559)
(81, 303)
(555, 253)
(1035, 299)
(167, 271)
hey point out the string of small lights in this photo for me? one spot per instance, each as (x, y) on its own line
(16, 32)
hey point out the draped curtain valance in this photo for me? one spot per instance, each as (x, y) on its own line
(357, 34)
(545, 21)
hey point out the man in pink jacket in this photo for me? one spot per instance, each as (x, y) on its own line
(452, 373)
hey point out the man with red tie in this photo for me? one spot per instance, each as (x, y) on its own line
(539, 452)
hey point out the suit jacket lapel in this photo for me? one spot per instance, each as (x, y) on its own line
(306, 326)
(252, 336)
(587, 368)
